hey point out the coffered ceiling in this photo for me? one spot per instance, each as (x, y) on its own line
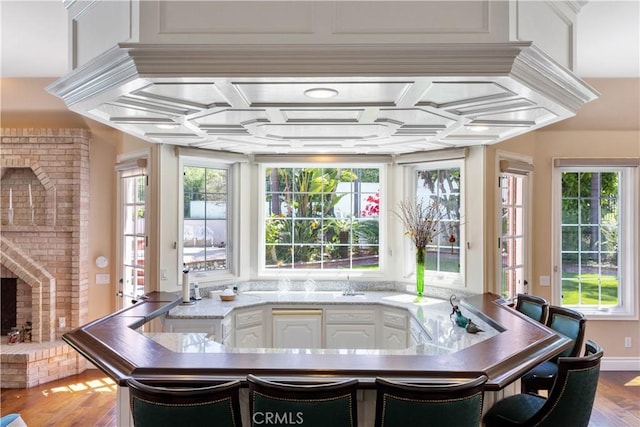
(373, 98)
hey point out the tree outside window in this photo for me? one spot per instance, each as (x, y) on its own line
(321, 218)
(442, 186)
(590, 238)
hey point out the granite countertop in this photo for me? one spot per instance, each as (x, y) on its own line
(432, 314)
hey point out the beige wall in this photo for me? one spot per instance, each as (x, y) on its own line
(543, 146)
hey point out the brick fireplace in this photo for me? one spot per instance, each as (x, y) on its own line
(45, 180)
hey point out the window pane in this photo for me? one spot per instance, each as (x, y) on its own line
(205, 218)
(442, 186)
(590, 247)
(324, 213)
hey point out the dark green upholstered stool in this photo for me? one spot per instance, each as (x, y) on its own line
(534, 307)
(404, 404)
(570, 400)
(569, 323)
(155, 406)
(309, 405)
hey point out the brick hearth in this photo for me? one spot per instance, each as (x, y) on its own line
(49, 170)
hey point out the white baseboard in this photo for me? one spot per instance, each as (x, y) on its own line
(620, 364)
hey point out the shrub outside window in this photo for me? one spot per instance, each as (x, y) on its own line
(321, 218)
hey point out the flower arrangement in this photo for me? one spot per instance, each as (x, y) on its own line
(422, 225)
(420, 221)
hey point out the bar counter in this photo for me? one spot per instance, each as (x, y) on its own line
(116, 345)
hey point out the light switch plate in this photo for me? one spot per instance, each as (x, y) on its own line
(103, 279)
(545, 280)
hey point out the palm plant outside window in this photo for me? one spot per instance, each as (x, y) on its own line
(321, 218)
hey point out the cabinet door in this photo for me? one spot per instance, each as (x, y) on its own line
(351, 336)
(393, 339)
(394, 329)
(297, 328)
(252, 336)
(249, 329)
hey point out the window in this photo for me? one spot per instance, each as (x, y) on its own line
(596, 231)
(205, 213)
(321, 218)
(440, 183)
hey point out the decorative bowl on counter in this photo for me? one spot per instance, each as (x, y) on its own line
(227, 295)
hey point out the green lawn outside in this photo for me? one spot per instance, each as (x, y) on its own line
(609, 289)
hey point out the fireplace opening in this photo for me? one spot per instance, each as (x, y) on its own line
(8, 296)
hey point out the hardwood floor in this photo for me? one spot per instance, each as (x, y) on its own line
(90, 399)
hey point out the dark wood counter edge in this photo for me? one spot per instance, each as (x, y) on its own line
(112, 345)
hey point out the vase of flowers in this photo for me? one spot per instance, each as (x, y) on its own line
(421, 222)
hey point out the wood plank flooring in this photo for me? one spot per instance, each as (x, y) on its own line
(90, 399)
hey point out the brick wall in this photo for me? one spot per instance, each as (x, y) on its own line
(47, 171)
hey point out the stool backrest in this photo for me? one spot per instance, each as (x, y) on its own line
(330, 404)
(571, 324)
(441, 404)
(570, 401)
(153, 406)
(535, 307)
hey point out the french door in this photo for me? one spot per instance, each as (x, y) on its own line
(133, 236)
(512, 240)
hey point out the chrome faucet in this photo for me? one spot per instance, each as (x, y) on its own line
(349, 291)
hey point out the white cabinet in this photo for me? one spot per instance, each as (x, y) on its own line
(296, 328)
(249, 329)
(350, 328)
(210, 326)
(394, 329)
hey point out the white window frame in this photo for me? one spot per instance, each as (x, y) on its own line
(231, 272)
(629, 246)
(339, 274)
(431, 277)
(508, 163)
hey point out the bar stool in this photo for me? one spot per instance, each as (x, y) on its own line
(537, 308)
(569, 323)
(156, 406)
(570, 400)
(439, 404)
(310, 405)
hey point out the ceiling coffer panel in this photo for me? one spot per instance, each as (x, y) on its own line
(382, 99)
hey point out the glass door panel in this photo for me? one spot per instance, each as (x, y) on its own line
(512, 238)
(132, 284)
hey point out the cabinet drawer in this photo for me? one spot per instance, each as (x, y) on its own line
(395, 320)
(248, 318)
(351, 316)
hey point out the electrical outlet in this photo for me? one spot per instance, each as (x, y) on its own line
(627, 342)
(62, 322)
(163, 274)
